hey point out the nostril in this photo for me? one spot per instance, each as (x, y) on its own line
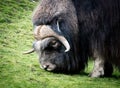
(45, 66)
(48, 66)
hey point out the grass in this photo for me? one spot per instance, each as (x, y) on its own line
(22, 71)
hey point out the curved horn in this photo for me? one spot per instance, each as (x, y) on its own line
(64, 42)
(45, 31)
(29, 51)
(63, 39)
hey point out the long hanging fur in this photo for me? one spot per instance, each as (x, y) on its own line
(90, 26)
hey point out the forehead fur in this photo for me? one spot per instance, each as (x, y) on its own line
(47, 10)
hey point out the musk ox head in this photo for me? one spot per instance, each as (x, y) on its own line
(56, 36)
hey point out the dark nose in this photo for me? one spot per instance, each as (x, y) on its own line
(45, 66)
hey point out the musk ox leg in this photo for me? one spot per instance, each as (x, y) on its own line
(98, 69)
(108, 69)
(101, 68)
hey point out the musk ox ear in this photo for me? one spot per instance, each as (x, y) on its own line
(45, 31)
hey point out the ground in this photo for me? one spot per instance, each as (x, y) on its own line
(22, 71)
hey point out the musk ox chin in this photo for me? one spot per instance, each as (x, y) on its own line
(68, 32)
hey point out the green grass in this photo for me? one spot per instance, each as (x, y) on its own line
(22, 71)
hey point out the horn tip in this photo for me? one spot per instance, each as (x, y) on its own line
(28, 52)
(67, 50)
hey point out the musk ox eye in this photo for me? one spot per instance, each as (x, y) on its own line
(53, 45)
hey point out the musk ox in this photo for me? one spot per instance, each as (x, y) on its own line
(68, 32)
